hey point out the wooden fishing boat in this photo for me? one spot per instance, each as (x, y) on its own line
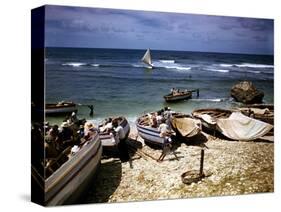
(263, 112)
(152, 134)
(71, 178)
(148, 133)
(232, 124)
(185, 125)
(60, 108)
(178, 95)
(181, 95)
(209, 116)
(107, 138)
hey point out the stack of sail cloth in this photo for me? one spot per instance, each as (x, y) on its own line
(240, 127)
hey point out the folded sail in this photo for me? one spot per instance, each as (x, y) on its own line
(241, 127)
(147, 58)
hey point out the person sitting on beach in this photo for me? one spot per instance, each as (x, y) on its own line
(80, 132)
(51, 140)
(120, 138)
(107, 126)
(159, 117)
(153, 121)
(168, 113)
(73, 118)
(37, 145)
(89, 130)
(47, 126)
(65, 136)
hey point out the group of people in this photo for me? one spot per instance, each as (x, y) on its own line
(160, 117)
(112, 127)
(162, 121)
(71, 133)
(74, 134)
(175, 91)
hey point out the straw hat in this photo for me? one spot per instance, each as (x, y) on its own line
(64, 124)
(89, 125)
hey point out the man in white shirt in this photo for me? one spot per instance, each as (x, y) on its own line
(122, 145)
(167, 146)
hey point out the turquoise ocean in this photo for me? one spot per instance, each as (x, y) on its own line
(117, 83)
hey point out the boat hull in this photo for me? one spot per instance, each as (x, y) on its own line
(108, 141)
(214, 112)
(171, 98)
(149, 134)
(68, 183)
(267, 117)
(54, 109)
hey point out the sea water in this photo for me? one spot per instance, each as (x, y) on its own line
(117, 83)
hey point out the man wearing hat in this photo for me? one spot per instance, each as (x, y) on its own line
(89, 130)
(65, 137)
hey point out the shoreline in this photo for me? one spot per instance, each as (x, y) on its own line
(236, 168)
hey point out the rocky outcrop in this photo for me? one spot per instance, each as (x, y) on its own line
(246, 93)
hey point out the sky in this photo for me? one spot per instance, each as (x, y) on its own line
(132, 29)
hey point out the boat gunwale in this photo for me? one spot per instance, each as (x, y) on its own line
(69, 169)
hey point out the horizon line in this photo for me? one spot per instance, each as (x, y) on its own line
(74, 47)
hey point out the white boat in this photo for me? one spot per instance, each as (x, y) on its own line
(107, 139)
(147, 59)
(149, 134)
(67, 183)
(182, 124)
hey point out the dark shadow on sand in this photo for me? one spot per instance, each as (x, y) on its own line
(106, 182)
(197, 140)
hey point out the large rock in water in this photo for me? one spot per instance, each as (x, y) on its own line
(246, 93)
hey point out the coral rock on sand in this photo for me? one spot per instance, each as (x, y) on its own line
(246, 93)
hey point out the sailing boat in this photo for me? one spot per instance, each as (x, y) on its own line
(147, 59)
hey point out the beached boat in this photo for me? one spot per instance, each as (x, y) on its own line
(60, 108)
(232, 124)
(262, 112)
(209, 116)
(68, 182)
(182, 124)
(147, 59)
(107, 139)
(185, 125)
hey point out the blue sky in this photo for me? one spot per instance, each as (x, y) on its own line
(130, 29)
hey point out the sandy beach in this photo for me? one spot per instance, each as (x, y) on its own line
(235, 168)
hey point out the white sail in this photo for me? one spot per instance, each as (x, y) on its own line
(147, 58)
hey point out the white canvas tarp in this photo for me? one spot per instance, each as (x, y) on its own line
(187, 127)
(241, 127)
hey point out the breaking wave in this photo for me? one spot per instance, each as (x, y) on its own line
(167, 61)
(247, 65)
(74, 64)
(218, 70)
(209, 100)
(95, 65)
